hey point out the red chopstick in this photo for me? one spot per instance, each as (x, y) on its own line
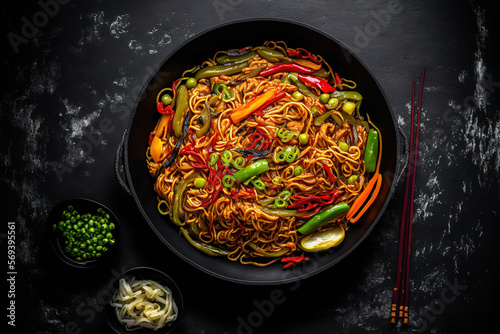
(399, 307)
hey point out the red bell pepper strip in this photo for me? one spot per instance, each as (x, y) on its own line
(329, 172)
(167, 110)
(319, 83)
(286, 67)
(293, 260)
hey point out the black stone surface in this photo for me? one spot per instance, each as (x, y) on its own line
(81, 71)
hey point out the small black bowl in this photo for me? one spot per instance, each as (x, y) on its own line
(146, 273)
(56, 239)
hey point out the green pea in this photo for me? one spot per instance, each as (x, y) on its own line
(109, 235)
(304, 138)
(191, 83)
(112, 226)
(200, 182)
(352, 179)
(323, 98)
(297, 96)
(344, 146)
(298, 170)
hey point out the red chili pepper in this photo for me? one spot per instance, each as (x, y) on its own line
(338, 81)
(308, 203)
(329, 172)
(254, 139)
(199, 166)
(247, 159)
(286, 67)
(302, 53)
(189, 149)
(319, 83)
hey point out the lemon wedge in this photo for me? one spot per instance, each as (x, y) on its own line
(323, 240)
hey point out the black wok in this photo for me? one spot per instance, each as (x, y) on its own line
(237, 35)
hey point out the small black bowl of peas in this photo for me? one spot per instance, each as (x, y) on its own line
(82, 232)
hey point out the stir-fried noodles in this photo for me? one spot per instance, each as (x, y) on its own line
(258, 148)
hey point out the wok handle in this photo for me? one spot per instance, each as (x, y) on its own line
(404, 162)
(119, 165)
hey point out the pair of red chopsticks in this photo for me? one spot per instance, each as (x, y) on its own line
(399, 307)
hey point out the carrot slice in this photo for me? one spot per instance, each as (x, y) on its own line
(248, 108)
(370, 201)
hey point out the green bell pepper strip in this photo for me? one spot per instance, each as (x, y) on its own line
(324, 217)
(226, 59)
(281, 212)
(205, 248)
(205, 116)
(180, 110)
(257, 167)
(179, 194)
(259, 250)
(371, 151)
(212, 71)
(318, 121)
(271, 55)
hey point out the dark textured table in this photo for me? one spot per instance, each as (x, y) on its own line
(71, 73)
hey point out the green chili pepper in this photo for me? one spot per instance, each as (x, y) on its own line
(212, 159)
(293, 79)
(291, 153)
(227, 95)
(180, 110)
(227, 157)
(178, 196)
(258, 184)
(205, 248)
(371, 151)
(298, 170)
(228, 180)
(281, 132)
(285, 194)
(271, 55)
(318, 121)
(287, 136)
(239, 162)
(281, 155)
(324, 217)
(276, 180)
(226, 59)
(256, 168)
(212, 71)
(205, 116)
(259, 250)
